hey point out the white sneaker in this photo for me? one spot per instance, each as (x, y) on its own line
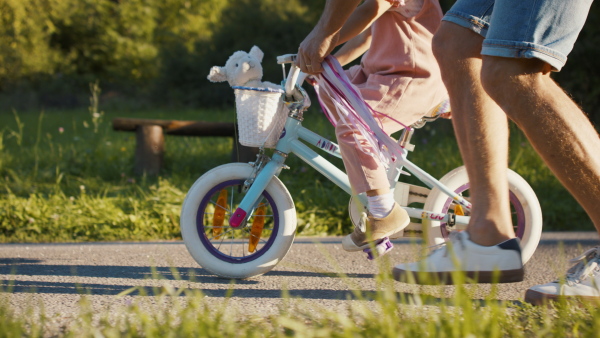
(484, 264)
(582, 282)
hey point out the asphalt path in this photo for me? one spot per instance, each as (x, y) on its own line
(316, 273)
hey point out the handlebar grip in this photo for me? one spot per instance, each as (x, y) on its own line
(287, 58)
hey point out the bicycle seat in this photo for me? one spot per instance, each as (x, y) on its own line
(433, 113)
(439, 109)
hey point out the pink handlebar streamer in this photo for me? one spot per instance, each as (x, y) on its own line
(352, 109)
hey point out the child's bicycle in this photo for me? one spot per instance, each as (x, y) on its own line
(238, 220)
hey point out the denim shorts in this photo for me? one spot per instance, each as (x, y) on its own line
(542, 29)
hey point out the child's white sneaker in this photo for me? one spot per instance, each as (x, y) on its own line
(373, 229)
(484, 264)
(582, 282)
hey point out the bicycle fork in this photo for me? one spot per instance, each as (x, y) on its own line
(262, 179)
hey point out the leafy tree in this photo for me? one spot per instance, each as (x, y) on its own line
(578, 76)
(105, 39)
(277, 27)
(50, 50)
(25, 32)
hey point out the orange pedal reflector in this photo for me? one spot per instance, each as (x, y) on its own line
(219, 215)
(458, 210)
(257, 227)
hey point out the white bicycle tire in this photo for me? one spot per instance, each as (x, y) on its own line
(208, 257)
(529, 213)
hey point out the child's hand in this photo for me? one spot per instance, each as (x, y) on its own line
(311, 80)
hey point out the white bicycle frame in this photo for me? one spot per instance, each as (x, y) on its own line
(291, 142)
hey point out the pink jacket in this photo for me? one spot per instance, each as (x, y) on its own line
(398, 75)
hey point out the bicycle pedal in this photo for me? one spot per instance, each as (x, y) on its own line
(382, 247)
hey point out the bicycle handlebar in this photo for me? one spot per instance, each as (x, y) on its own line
(295, 75)
(287, 58)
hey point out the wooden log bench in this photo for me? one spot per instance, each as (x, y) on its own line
(150, 140)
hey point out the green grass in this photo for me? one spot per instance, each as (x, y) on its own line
(67, 176)
(163, 312)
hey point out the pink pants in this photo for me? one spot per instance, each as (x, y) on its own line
(365, 172)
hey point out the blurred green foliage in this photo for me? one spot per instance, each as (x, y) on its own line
(153, 51)
(158, 52)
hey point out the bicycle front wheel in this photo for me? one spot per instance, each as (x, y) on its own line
(249, 250)
(524, 205)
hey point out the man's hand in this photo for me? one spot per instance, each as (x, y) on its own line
(313, 50)
(324, 37)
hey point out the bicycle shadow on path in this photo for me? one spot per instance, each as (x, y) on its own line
(73, 278)
(192, 280)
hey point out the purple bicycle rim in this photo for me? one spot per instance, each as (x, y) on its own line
(516, 204)
(208, 244)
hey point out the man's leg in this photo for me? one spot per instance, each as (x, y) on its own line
(556, 127)
(524, 41)
(481, 130)
(487, 251)
(569, 145)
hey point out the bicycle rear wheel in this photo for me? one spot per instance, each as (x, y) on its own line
(249, 250)
(525, 208)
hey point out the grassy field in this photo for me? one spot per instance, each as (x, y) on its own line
(163, 312)
(67, 176)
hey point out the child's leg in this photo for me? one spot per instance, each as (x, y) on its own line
(365, 172)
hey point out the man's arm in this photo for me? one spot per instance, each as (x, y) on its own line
(354, 48)
(362, 18)
(324, 37)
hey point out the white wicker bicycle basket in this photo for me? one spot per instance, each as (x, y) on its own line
(261, 115)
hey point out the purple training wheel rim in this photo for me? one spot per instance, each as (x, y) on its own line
(514, 200)
(209, 245)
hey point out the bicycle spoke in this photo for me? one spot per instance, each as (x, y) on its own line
(265, 216)
(250, 235)
(231, 245)
(243, 248)
(262, 240)
(223, 234)
(216, 227)
(221, 242)
(231, 200)
(227, 212)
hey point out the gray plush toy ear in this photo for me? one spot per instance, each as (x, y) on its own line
(217, 74)
(255, 52)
